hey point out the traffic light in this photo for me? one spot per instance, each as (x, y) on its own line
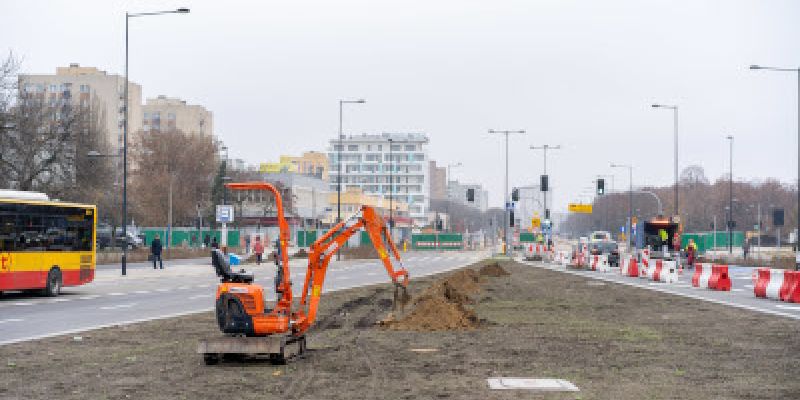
(601, 186)
(470, 195)
(777, 217)
(547, 213)
(543, 183)
(511, 222)
(515, 194)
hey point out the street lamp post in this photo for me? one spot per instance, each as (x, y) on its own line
(447, 202)
(675, 127)
(544, 149)
(630, 202)
(795, 70)
(505, 191)
(339, 163)
(730, 198)
(128, 16)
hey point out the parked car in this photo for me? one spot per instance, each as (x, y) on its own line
(606, 247)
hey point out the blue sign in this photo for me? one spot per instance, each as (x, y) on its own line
(622, 229)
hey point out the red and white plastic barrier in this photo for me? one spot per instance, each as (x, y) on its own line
(710, 276)
(600, 263)
(629, 267)
(665, 271)
(778, 284)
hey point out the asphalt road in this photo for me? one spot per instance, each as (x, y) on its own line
(741, 294)
(183, 287)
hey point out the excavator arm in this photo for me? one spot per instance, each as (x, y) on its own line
(329, 244)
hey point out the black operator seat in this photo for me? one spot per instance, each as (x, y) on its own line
(223, 269)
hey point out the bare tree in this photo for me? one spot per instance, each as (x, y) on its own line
(171, 161)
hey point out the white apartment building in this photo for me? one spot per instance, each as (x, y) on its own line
(457, 192)
(366, 161)
(88, 86)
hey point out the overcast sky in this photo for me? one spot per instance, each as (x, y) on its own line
(581, 74)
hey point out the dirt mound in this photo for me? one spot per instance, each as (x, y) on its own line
(435, 314)
(493, 270)
(442, 305)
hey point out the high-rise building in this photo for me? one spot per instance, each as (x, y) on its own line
(438, 179)
(168, 114)
(90, 87)
(369, 160)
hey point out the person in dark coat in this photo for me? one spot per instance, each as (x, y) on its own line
(155, 248)
(214, 243)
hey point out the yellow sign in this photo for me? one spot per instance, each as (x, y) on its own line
(580, 208)
(536, 222)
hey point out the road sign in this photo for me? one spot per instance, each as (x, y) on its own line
(580, 208)
(536, 222)
(224, 214)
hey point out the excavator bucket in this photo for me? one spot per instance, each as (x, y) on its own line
(401, 297)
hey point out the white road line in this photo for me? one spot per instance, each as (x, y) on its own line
(182, 287)
(116, 294)
(749, 286)
(202, 286)
(94, 296)
(3, 321)
(59, 300)
(163, 290)
(737, 290)
(142, 292)
(200, 296)
(785, 307)
(118, 306)
(23, 303)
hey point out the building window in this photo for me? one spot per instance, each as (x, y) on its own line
(171, 117)
(352, 147)
(396, 147)
(84, 88)
(337, 147)
(411, 147)
(380, 147)
(53, 88)
(157, 116)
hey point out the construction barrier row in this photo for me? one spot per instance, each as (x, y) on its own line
(777, 284)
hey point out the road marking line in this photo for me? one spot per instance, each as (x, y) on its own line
(3, 321)
(118, 306)
(116, 294)
(202, 286)
(142, 292)
(182, 287)
(94, 296)
(794, 308)
(749, 286)
(737, 290)
(23, 303)
(163, 290)
(59, 300)
(199, 296)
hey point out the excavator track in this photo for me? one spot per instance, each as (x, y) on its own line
(277, 349)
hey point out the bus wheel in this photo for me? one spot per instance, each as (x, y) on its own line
(53, 286)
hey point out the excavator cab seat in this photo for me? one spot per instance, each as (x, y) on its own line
(223, 269)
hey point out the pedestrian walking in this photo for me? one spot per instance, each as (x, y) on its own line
(214, 243)
(207, 241)
(155, 249)
(258, 248)
(745, 248)
(247, 244)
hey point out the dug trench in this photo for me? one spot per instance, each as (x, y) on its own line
(612, 341)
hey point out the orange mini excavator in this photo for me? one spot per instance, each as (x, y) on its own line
(250, 326)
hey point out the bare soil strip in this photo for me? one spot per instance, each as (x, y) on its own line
(612, 341)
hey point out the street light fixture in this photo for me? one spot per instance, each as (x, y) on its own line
(674, 109)
(630, 202)
(505, 191)
(795, 70)
(128, 16)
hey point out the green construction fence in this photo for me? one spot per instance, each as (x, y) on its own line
(189, 237)
(437, 241)
(705, 240)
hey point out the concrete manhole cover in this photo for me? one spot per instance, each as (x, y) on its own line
(547, 385)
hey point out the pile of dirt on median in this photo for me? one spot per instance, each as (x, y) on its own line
(493, 270)
(442, 305)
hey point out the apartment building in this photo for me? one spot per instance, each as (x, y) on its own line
(168, 114)
(311, 163)
(90, 87)
(438, 180)
(369, 161)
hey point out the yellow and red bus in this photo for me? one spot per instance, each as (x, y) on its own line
(45, 245)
